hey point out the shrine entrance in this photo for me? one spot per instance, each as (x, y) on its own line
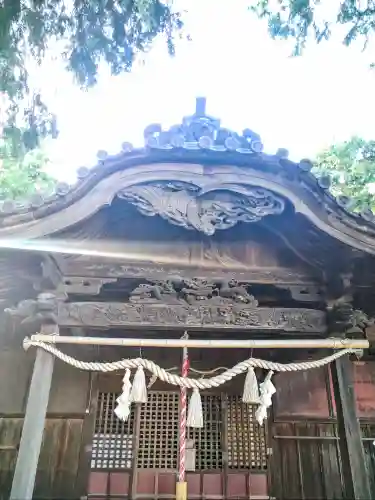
(198, 231)
(138, 459)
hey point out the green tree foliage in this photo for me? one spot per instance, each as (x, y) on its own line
(301, 19)
(21, 177)
(351, 166)
(84, 33)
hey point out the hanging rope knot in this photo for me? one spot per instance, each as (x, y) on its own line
(250, 391)
(122, 410)
(138, 393)
(195, 411)
(358, 353)
(267, 390)
(27, 343)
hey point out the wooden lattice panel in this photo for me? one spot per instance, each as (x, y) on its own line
(247, 448)
(208, 440)
(113, 441)
(112, 445)
(159, 427)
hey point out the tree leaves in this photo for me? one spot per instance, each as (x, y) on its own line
(300, 19)
(88, 32)
(20, 178)
(351, 166)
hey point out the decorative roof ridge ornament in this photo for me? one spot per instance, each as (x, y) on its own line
(201, 131)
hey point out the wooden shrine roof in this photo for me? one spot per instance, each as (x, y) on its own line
(197, 221)
(197, 175)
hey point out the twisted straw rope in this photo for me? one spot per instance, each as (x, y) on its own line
(187, 382)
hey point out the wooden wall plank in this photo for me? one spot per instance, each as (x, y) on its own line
(15, 374)
(312, 471)
(309, 455)
(10, 435)
(368, 433)
(302, 394)
(284, 465)
(69, 390)
(331, 469)
(364, 378)
(58, 462)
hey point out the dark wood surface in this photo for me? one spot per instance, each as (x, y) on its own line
(88, 426)
(58, 461)
(32, 432)
(226, 316)
(351, 446)
(302, 394)
(305, 463)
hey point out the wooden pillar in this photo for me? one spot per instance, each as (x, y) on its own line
(88, 429)
(33, 426)
(352, 453)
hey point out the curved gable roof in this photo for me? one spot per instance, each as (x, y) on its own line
(195, 168)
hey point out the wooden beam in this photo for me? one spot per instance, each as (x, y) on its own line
(96, 267)
(204, 314)
(355, 471)
(33, 426)
(277, 343)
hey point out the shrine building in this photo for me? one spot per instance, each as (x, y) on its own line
(192, 320)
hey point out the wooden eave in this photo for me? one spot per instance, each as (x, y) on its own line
(205, 168)
(207, 159)
(202, 153)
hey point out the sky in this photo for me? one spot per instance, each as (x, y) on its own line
(302, 104)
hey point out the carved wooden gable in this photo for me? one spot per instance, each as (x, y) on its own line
(198, 175)
(247, 251)
(197, 202)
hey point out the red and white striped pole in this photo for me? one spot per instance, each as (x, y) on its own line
(181, 487)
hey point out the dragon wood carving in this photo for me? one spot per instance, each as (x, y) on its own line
(193, 291)
(188, 206)
(173, 304)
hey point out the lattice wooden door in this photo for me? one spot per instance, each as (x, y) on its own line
(112, 453)
(247, 446)
(246, 475)
(138, 459)
(208, 441)
(158, 432)
(157, 457)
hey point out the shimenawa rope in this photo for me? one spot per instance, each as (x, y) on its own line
(187, 382)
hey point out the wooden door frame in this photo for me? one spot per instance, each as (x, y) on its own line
(88, 429)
